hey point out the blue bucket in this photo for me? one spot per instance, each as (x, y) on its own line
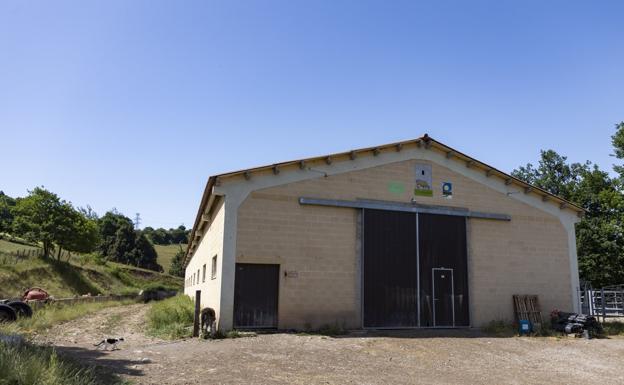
(525, 326)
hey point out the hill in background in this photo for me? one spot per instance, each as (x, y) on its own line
(81, 275)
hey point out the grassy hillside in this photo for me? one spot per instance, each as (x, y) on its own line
(79, 276)
(166, 254)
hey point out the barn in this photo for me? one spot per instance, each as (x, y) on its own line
(413, 234)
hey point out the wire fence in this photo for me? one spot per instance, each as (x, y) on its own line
(14, 257)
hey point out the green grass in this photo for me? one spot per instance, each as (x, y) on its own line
(614, 328)
(26, 364)
(166, 254)
(500, 328)
(48, 316)
(82, 275)
(171, 318)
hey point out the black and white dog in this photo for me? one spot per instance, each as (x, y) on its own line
(105, 343)
(208, 322)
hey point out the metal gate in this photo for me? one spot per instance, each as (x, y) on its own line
(442, 245)
(415, 271)
(390, 269)
(256, 288)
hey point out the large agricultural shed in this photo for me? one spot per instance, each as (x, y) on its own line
(404, 235)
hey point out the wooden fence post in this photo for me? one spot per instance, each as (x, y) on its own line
(197, 310)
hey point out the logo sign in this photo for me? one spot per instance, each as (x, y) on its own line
(423, 180)
(447, 190)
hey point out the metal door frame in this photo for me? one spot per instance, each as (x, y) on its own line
(433, 297)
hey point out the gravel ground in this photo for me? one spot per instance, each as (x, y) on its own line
(423, 357)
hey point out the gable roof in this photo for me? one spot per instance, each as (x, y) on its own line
(425, 141)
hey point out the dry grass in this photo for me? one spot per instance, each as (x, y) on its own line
(54, 314)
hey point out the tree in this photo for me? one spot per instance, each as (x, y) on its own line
(600, 240)
(618, 146)
(39, 217)
(553, 174)
(121, 243)
(144, 254)
(179, 235)
(6, 216)
(83, 236)
(117, 237)
(43, 217)
(177, 264)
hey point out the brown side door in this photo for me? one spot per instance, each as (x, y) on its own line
(256, 289)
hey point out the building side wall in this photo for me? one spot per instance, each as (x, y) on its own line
(320, 245)
(211, 245)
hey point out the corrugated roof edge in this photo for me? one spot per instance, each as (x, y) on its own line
(425, 138)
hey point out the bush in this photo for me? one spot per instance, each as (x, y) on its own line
(25, 364)
(171, 318)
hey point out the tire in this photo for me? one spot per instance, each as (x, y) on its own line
(7, 314)
(22, 309)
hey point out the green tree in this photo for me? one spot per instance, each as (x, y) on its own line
(145, 255)
(600, 241)
(82, 235)
(43, 217)
(117, 237)
(120, 242)
(618, 146)
(177, 265)
(39, 217)
(6, 216)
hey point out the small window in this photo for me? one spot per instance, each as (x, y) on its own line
(204, 273)
(197, 276)
(213, 273)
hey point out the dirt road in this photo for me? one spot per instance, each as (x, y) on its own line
(425, 357)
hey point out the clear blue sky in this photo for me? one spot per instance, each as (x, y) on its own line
(133, 104)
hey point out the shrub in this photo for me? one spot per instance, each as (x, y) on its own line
(171, 318)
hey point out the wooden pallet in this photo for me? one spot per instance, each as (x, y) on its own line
(526, 307)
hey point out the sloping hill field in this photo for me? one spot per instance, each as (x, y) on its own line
(79, 276)
(166, 254)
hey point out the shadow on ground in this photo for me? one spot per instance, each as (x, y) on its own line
(108, 367)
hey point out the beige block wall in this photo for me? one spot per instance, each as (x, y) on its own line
(211, 245)
(528, 255)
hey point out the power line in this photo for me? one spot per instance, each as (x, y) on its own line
(137, 221)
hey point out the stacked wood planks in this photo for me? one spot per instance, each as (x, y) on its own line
(526, 307)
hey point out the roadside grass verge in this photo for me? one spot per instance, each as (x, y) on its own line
(26, 364)
(54, 314)
(171, 318)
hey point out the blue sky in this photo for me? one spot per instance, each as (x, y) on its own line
(133, 104)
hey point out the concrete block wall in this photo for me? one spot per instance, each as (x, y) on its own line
(528, 255)
(211, 245)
